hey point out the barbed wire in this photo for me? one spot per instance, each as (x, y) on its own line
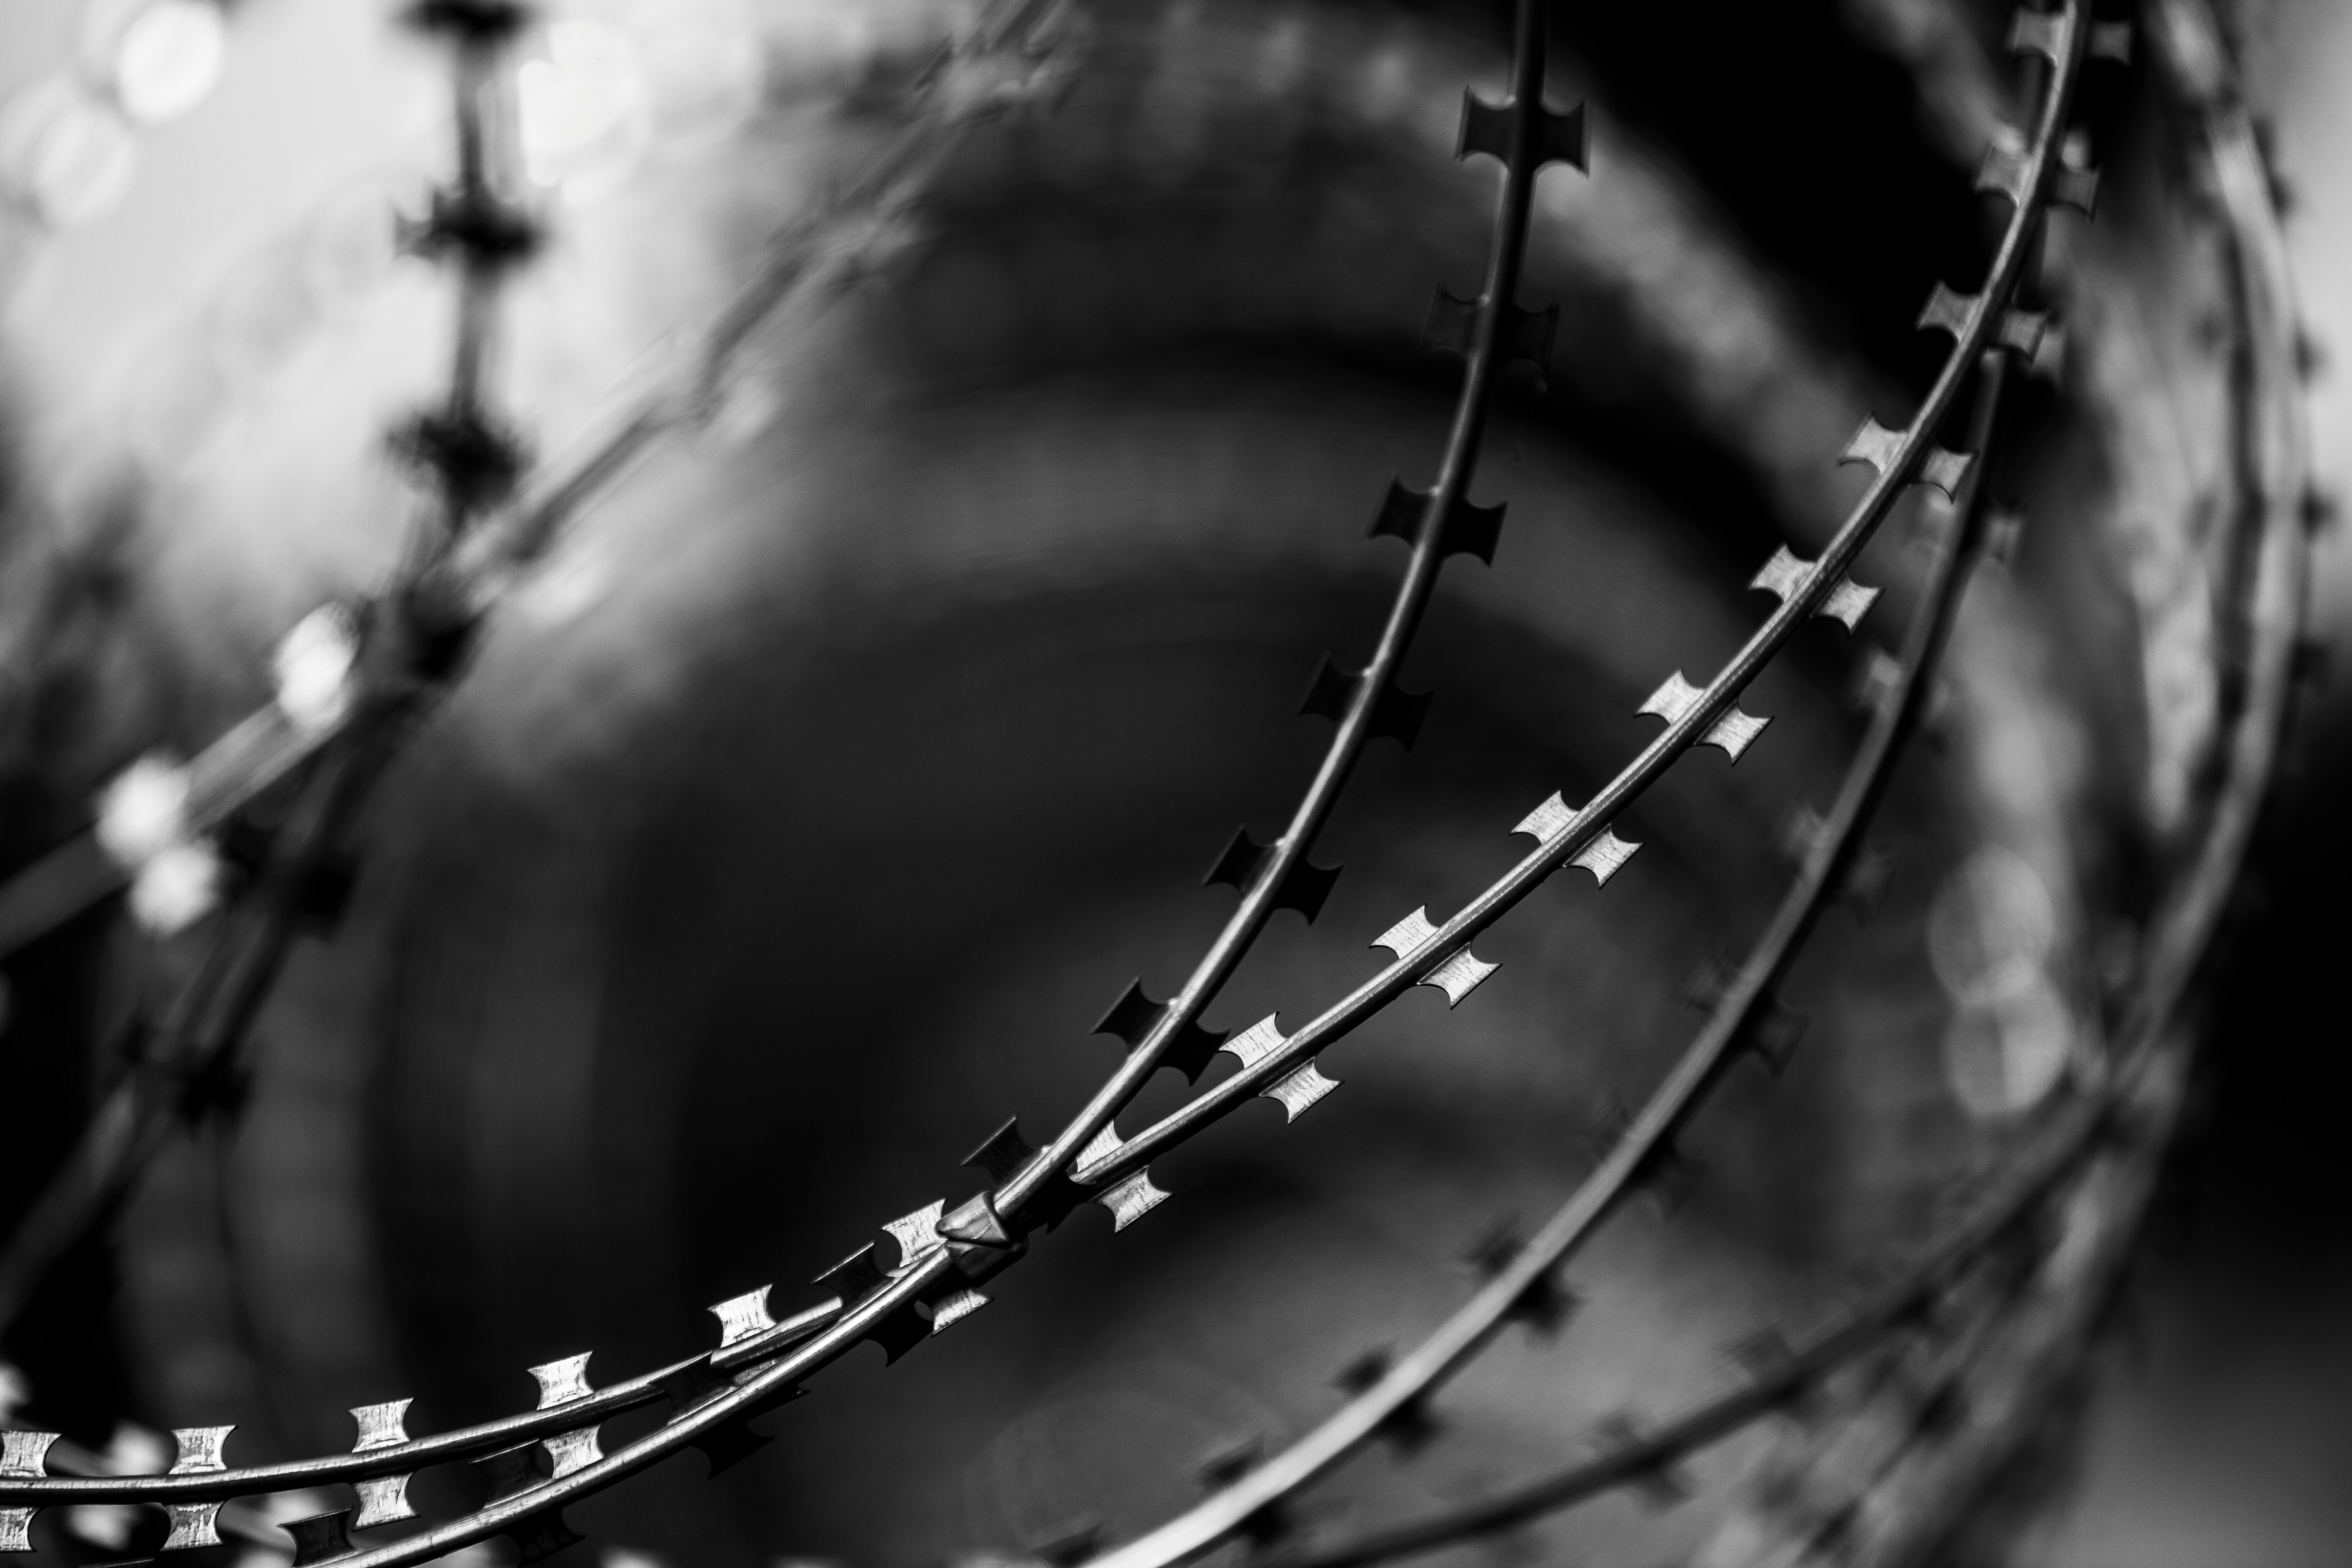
(396, 653)
(943, 1256)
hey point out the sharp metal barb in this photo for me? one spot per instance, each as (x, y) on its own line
(562, 1381)
(1410, 1427)
(1494, 130)
(383, 1499)
(916, 1232)
(1304, 888)
(746, 1316)
(1131, 1199)
(856, 1276)
(192, 1524)
(1466, 529)
(24, 1453)
(1662, 1484)
(1784, 576)
(1002, 1153)
(1457, 975)
(1731, 734)
(320, 1536)
(1299, 1090)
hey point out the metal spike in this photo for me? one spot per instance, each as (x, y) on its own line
(1546, 1304)
(1473, 529)
(1409, 1426)
(24, 1453)
(383, 1499)
(192, 1525)
(2111, 41)
(855, 1277)
(381, 1425)
(899, 1331)
(1548, 820)
(2040, 33)
(1866, 879)
(199, 1449)
(1130, 1200)
(2022, 331)
(1000, 1153)
(2005, 172)
(1452, 324)
(1948, 310)
(16, 1528)
(1785, 575)
(1848, 602)
(2003, 529)
(1398, 714)
(1299, 1090)
(1329, 694)
(949, 1311)
(1305, 888)
(917, 1234)
(2076, 188)
(1605, 856)
(1101, 1146)
(1802, 833)
(1945, 470)
(1486, 128)
(1774, 1034)
(1732, 733)
(572, 1451)
(1661, 1483)
(1873, 444)
(1526, 336)
(1408, 936)
(1256, 1043)
(1237, 867)
(693, 1384)
(1465, 529)
(1400, 513)
(1458, 976)
(320, 1536)
(1190, 1050)
(1702, 992)
(1491, 129)
(561, 1381)
(510, 1472)
(1132, 1017)
(1875, 686)
(743, 1317)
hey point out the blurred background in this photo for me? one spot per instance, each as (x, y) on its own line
(796, 818)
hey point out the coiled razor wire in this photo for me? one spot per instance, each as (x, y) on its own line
(543, 1460)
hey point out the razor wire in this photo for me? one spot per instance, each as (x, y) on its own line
(327, 744)
(944, 1255)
